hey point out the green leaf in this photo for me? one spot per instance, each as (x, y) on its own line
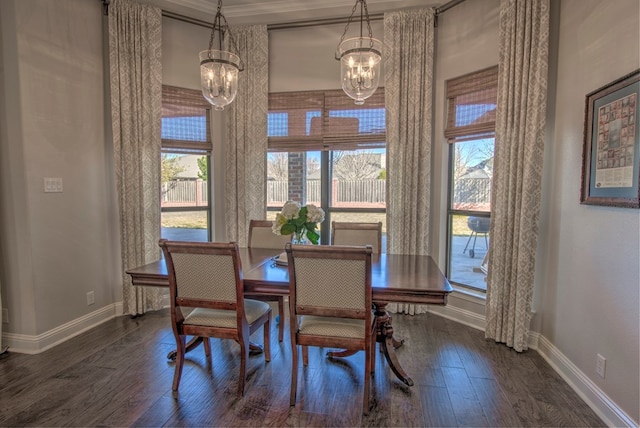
(302, 215)
(313, 236)
(287, 229)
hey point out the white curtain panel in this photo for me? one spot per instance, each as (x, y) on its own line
(246, 140)
(136, 100)
(520, 121)
(408, 81)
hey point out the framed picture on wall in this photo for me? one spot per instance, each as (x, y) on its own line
(611, 151)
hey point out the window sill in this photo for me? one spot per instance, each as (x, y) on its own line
(469, 295)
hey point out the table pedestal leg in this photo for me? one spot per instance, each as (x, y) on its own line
(387, 342)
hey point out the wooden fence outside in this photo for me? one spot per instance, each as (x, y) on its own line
(472, 194)
(346, 193)
(475, 192)
(186, 193)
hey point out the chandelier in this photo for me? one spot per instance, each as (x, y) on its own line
(359, 59)
(219, 68)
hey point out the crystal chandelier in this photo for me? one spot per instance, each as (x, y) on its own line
(219, 68)
(359, 59)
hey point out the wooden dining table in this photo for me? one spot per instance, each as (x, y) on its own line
(397, 278)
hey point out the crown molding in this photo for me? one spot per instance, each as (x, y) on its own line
(280, 11)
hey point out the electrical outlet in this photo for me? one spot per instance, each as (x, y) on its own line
(52, 185)
(91, 298)
(5, 316)
(601, 364)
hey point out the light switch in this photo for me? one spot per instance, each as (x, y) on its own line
(52, 185)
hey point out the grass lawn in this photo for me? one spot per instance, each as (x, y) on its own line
(187, 220)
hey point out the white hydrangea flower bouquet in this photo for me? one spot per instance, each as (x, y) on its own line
(302, 221)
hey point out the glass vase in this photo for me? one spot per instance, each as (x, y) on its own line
(299, 238)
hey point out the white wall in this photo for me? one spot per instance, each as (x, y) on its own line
(14, 237)
(588, 290)
(303, 59)
(56, 246)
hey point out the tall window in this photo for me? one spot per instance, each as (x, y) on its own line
(186, 153)
(325, 150)
(470, 131)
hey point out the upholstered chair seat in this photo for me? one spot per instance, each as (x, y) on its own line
(335, 327)
(253, 309)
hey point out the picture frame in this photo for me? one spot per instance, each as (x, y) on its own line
(611, 147)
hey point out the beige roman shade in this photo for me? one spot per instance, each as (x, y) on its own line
(324, 120)
(185, 121)
(471, 105)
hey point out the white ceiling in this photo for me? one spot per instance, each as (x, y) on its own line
(281, 11)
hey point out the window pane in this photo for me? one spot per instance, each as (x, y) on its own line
(184, 197)
(468, 240)
(185, 226)
(293, 176)
(468, 247)
(357, 182)
(277, 179)
(358, 178)
(332, 155)
(472, 173)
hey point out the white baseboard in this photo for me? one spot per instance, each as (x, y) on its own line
(462, 316)
(604, 407)
(29, 344)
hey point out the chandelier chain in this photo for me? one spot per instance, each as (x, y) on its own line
(363, 6)
(222, 30)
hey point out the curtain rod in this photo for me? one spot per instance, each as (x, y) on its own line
(445, 7)
(281, 26)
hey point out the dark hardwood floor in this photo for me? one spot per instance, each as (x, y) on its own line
(117, 374)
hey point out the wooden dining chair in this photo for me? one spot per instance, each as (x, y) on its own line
(330, 304)
(261, 236)
(353, 233)
(207, 277)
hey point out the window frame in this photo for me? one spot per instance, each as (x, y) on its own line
(483, 84)
(190, 98)
(332, 137)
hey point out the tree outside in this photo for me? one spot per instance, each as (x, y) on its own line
(203, 170)
(170, 170)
